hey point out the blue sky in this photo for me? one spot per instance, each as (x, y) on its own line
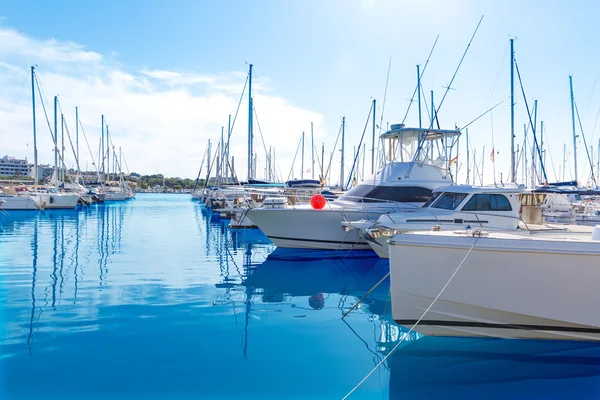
(315, 61)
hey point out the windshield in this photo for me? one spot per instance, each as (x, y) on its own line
(372, 193)
(432, 199)
(449, 201)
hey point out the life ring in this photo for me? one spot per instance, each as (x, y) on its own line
(51, 199)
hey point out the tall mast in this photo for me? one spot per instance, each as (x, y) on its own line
(302, 163)
(227, 167)
(62, 146)
(208, 165)
(342, 163)
(419, 92)
(102, 153)
(373, 142)
(77, 132)
(312, 150)
(598, 162)
(468, 158)
(108, 153)
(482, 165)
(250, 119)
(364, 156)
(35, 160)
(55, 136)
(573, 122)
(474, 165)
(541, 148)
(513, 170)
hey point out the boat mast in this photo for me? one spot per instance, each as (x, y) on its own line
(62, 150)
(468, 158)
(250, 120)
(102, 152)
(108, 153)
(323, 157)
(77, 132)
(373, 144)
(542, 147)
(208, 165)
(513, 171)
(35, 160)
(419, 93)
(227, 167)
(342, 161)
(573, 122)
(312, 150)
(302, 162)
(55, 136)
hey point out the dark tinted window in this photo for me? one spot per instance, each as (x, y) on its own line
(432, 199)
(449, 201)
(404, 194)
(488, 202)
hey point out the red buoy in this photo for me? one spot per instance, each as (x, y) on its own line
(318, 201)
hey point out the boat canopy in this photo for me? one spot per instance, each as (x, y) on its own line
(468, 189)
(419, 145)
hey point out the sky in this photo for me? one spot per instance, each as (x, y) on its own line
(167, 74)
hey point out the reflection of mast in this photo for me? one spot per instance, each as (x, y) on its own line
(62, 256)
(54, 262)
(76, 256)
(34, 246)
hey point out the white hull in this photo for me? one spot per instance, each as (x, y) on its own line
(116, 196)
(58, 200)
(17, 203)
(303, 227)
(506, 287)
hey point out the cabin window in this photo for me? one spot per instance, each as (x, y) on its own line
(432, 199)
(488, 202)
(372, 193)
(449, 201)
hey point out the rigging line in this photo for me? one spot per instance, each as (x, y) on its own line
(236, 113)
(587, 151)
(591, 94)
(333, 152)
(74, 154)
(456, 72)
(387, 79)
(359, 146)
(259, 130)
(22, 87)
(483, 114)
(88, 145)
(500, 69)
(550, 153)
(419, 320)
(531, 122)
(294, 160)
(421, 77)
(436, 110)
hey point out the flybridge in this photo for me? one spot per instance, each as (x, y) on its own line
(421, 146)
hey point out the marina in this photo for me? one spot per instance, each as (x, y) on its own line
(111, 291)
(285, 201)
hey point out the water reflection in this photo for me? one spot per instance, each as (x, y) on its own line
(433, 367)
(56, 239)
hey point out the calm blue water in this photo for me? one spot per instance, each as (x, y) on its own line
(155, 298)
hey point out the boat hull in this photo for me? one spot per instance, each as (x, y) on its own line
(540, 289)
(307, 228)
(58, 200)
(18, 203)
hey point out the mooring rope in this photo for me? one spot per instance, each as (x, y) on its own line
(419, 320)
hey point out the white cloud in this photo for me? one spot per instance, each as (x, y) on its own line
(161, 119)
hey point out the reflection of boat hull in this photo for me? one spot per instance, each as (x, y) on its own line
(508, 286)
(468, 368)
(306, 277)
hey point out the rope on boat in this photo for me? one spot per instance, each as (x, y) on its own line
(366, 295)
(476, 236)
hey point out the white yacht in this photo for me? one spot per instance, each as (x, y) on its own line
(529, 284)
(416, 162)
(451, 207)
(19, 202)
